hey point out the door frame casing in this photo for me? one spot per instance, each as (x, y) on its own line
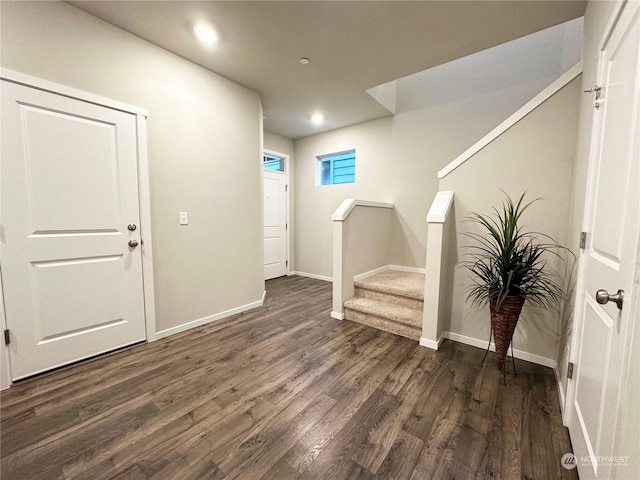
(288, 199)
(144, 189)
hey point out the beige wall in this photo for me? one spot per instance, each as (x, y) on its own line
(397, 160)
(536, 155)
(204, 139)
(366, 243)
(278, 143)
(284, 145)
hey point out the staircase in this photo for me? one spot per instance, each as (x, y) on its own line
(392, 300)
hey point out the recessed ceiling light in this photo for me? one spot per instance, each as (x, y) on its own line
(304, 61)
(206, 34)
(317, 118)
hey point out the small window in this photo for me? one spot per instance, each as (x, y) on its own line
(337, 168)
(272, 162)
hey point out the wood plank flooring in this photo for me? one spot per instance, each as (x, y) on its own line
(285, 392)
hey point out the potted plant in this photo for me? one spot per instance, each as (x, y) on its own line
(507, 267)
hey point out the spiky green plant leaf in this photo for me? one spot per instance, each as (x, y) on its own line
(507, 261)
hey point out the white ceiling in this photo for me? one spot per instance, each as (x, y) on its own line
(353, 45)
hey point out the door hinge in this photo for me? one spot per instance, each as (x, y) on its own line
(286, 226)
(570, 370)
(7, 337)
(583, 240)
(286, 188)
(286, 263)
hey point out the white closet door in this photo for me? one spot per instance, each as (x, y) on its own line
(610, 259)
(71, 267)
(275, 224)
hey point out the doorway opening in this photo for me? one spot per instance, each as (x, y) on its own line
(276, 214)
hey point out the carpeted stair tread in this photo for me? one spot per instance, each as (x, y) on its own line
(390, 297)
(395, 282)
(386, 310)
(390, 326)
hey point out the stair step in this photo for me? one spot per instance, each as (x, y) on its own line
(392, 301)
(395, 282)
(389, 298)
(386, 316)
(391, 311)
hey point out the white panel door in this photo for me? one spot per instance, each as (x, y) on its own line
(72, 283)
(609, 262)
(275, 224)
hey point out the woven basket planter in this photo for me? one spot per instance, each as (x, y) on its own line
(503, 323)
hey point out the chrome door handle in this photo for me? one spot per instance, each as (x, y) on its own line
(603, 297)
(131, 227)
(133, 243)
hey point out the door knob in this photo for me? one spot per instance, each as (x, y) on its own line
(132, 227)
(602, 297)
(133, 243)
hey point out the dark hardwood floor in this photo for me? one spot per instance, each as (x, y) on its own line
(285, 392)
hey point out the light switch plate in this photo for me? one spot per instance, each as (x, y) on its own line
(184, 218)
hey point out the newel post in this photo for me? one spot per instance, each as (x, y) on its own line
(338, 218)
(434, 312)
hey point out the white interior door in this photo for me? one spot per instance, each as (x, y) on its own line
(275, 224)
(609, 260)
(72, 283)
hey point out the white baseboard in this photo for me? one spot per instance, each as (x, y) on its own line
(264, 296)
(407, 269)
(475, 342)
(400, 268)
(364, 275)
(433, 345)
(337, 316)
(209, 319)
(313, 275)
(561, 393)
